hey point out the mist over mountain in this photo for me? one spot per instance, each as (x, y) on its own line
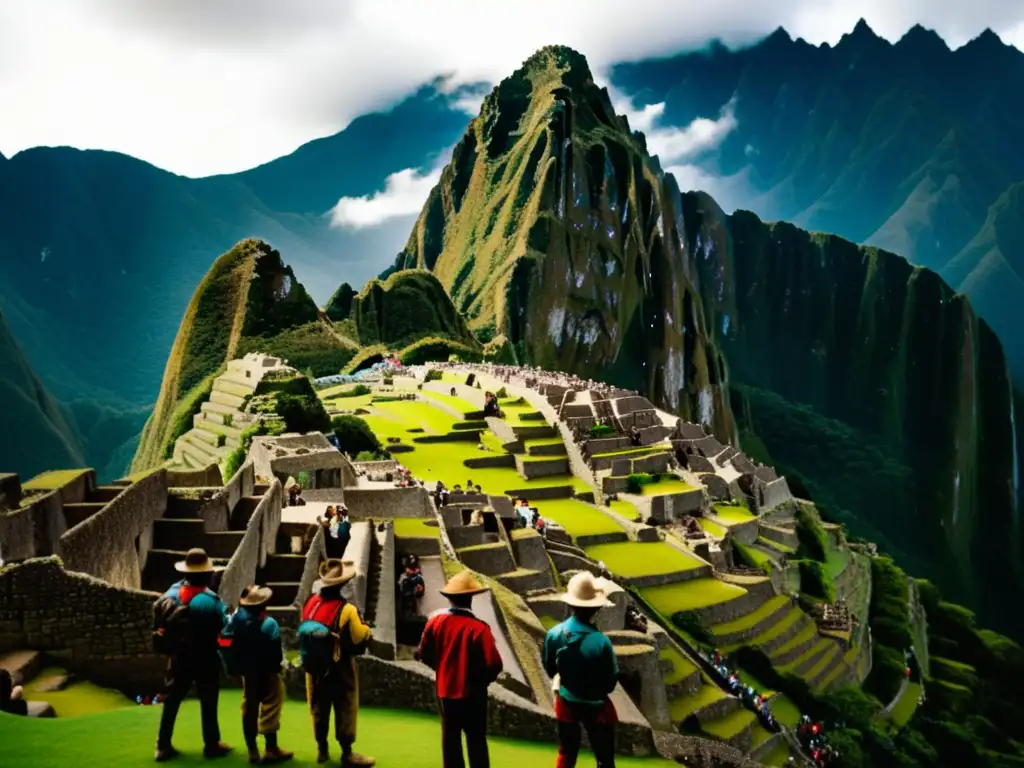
(909, 146)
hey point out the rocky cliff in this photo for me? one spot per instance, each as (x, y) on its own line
(249, 301)
(567, 247)
(561, 240)
(37, 435)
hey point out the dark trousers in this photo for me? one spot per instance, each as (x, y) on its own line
(467, 716)
(182, 672)
(570, 735)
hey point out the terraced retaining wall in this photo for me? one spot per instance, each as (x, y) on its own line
(410, 685)
(259, 541)
(112, 544)
(100, 631)
(210, 477)
(378, 503)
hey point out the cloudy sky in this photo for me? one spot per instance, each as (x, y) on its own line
(212, 86)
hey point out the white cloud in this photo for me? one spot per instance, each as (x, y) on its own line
(403, 195)
(204, 87)
(673, 145)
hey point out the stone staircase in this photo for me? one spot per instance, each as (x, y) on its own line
(95, 500)
(182, 528)
(217, 428)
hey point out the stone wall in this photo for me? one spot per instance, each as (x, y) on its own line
(242, 484)
(756, 595)
(316, 554)
(374, 467)
(410, 685)
(577, 465)
(99, 631)
(672, 506)
(775, 493)
(34, 530)
(384, 640)
(531, 469)
(210, 477)
(378, 503)
(260, 540)
(106, 545)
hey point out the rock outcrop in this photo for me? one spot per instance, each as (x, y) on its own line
(567, 247)
(249, 301)
(562, 242)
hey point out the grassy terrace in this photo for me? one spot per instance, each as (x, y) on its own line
(689, 595)
(776, 629)
(684, 706)
(728, 726)
(81, 698)
(125, 737)
(624, 453)
(731, 515)
(711, 527)
(751, 619)
(460, 404)
(51, 481)
(632, 559)
(906, 706)
(775, 546)
(682, 667)
(752, 554)
(668, 484)
(578, 518)
(415, 528)
(805, 635)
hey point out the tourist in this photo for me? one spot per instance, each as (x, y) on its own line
(411, 586)
(476, 517)
(192, 644)
(11, 697)
(460, 648)
(581, 661)
(255, 644)
(341, 534)
(337, 687)
(634, 435)
(295, 496)
(491, 405)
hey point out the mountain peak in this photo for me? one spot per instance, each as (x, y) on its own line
(922, 39)
(780, 35)
(558, 58)
(861, 36)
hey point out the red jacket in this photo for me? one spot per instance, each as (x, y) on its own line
(461, 649)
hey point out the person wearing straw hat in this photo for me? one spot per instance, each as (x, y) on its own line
(255, 647)
(337, 687)
(460, 648)
(195, 658)
(581, 661)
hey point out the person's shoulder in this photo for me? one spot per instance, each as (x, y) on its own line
(271, 628)
(556, 631)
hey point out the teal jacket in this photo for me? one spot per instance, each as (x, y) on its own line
(207, 614)
(584, 659)
(258, 641)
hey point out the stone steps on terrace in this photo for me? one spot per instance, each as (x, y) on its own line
(24, 666)
(197, 452)
(231, 388)
(733, 728)
(202, 421)
(523, 580)
(226, 398)
(236, 380)
(160, 573)
(807, 661)
(834, 664)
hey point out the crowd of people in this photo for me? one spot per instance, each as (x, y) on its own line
(814, 741)
(750, 697)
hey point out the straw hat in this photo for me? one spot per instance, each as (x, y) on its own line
(254, 596)
(334, 573)
(586, 591)
(463, 583)
(196, 561)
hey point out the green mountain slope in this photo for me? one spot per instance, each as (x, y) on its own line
(904, 146)
(558, 238)
(557, 233)
(37, 436)
(249, 301)
(100, 252)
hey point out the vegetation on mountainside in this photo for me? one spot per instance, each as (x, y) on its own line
(339, 306)
(187, 407)
(811, 534)
(919, 149)
(355, 436)
(38, 436)
(248, 301)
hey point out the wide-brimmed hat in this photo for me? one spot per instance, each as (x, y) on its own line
(336, 572)
(463, 583)
(254, 596)
(584, 590)
(196, 561)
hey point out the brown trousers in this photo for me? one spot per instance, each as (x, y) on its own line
(338, 690)
(262, 701)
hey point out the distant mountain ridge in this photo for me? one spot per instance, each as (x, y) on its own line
(908, 146)
(567, 247)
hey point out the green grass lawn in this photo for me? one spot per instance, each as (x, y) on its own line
(805, 635)
(728, 726)
(779, 627)
(690, 595)
(632, 559)
(624, 509)
(836, 561)
(778, 756)
(577, 518)
(633, 450)
(417, 413)
(460, 404)
(731, 515)
(668, 484)
(754, 617)
(347, 403)
(52, 480)
(785, 711)
(712, 528)
(126, 737)
(782, 549)
(83, 698)
(752, 554)
(682, 667)
(906, 706)
(416, 528)
(683, 707)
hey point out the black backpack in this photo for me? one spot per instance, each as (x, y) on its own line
(240, 645)
(170, 626)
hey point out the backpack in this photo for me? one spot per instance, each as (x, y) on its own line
(572, 647)
(317, 641)
(239, 644)
(171, 624)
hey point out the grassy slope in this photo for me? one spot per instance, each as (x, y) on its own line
(125, 738)
(248, 301)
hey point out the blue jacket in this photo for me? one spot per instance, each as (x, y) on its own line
(584, 659)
